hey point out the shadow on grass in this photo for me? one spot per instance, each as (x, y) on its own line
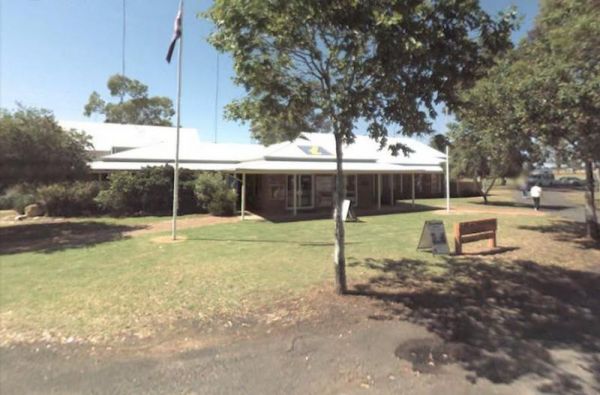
(501, 320)
(399, 208)
(492, 203)
(272, 241)
(493, 251)
(51, 237)
(569, 231)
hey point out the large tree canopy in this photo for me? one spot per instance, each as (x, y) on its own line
(310, 65)
(547, 92)
(133, 106)
(33, 148)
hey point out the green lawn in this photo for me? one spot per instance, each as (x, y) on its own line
(132, 285)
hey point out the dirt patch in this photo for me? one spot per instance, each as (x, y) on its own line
(186, 223)
(169, 239)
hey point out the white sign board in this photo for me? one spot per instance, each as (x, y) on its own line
(433, 237)
(347, 211)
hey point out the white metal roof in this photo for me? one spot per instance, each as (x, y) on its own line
(191, 150)
(105, 136)
(321, 146)
(275, 166)
(101, 166)
(309, 153)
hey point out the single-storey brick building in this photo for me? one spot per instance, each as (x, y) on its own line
(299, 176)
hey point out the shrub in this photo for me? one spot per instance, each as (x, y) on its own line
(149, 191)
(18, 197)
(214, 195)
(70, 199)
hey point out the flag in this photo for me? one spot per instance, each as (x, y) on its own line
(176, 34)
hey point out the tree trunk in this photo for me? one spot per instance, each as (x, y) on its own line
(340, 195)
(591, 218)
(479, 184)
(485, 191)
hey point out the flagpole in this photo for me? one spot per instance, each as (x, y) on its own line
(447, 179)
(177, 117)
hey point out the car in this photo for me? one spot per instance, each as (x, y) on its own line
(571, 181)
(544, 179)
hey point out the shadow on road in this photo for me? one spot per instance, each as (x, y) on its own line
(501, 320)
(51, 237)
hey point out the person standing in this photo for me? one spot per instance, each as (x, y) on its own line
(536, 195)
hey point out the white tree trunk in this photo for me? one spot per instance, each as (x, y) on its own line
(340, 194)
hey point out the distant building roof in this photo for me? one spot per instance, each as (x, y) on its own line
(309, 153)
(114, 137)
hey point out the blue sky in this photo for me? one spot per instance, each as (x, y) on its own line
(54, 53)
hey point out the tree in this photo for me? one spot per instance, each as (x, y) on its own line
(481, 156)
(384, 62)
(439, 142)
(35, 149)
(564, 54)
(550, 88)
(138, 109)
(489, 141)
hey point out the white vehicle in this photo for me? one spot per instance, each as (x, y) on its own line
(544, 177)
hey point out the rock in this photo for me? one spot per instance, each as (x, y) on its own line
(34, 210)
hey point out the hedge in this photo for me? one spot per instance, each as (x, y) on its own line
(148, 191)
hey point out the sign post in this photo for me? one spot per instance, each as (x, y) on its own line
(433, 236)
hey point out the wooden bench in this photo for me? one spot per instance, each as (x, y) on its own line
(467, 232)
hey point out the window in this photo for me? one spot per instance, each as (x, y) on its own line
(324, 190)
(304, 191)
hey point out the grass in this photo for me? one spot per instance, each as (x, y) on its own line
(135, 285)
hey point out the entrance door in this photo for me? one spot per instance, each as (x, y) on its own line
(304, 191)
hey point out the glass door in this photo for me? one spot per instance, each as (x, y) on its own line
(304, 191)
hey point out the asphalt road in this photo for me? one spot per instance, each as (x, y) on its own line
(358, 360)
(554, 201)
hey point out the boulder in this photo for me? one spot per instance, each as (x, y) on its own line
(34, 210)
